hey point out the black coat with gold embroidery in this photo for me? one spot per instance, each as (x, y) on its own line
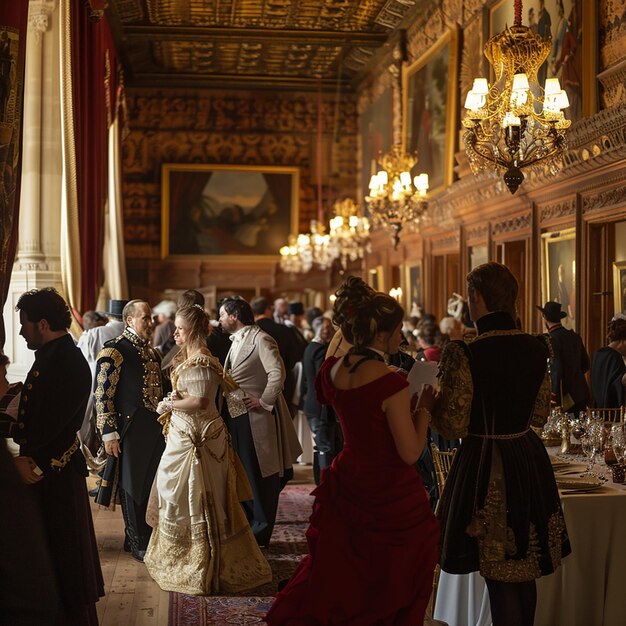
(500, 510)
(128, 388)
(52, 407)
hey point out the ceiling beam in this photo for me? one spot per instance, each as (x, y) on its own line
(220, 81)
(239, 35)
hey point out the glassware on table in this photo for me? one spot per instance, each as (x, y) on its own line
(617, 439)
(592, 443)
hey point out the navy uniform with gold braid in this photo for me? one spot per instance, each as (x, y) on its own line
(52, 408)
(129, 386)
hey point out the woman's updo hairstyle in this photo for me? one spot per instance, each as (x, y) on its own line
(362, 313)
(616, 330)
(197, 324)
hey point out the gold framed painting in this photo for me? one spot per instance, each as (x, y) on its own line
(376, 136)
(376, 278)
(619, 286)
(559, 272)
(412, 287)
(227, 210)
(572, 27)
(430, 110)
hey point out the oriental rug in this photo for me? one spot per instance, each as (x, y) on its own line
(287, 548)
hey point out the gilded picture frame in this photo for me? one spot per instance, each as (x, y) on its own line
(413, 286)
(559, 272)
(376, 278)
(619, 286)
(573, 58)
(227, 210)
(376, 136)
(430, 106)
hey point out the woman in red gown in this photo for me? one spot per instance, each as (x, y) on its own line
(372, 536)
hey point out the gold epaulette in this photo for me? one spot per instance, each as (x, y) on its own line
(111, 353)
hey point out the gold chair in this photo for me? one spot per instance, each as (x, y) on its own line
(442, 461)
(612, 415)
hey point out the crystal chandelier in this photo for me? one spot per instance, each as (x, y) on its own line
(349, 232)
(514, 123)
(308, 249)
(394, 200)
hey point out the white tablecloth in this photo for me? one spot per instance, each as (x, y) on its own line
(589, 589)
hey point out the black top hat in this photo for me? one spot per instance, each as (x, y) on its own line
(115, 308)
(296, 308)
(552, 311)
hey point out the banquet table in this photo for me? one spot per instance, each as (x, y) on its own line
(589, 589)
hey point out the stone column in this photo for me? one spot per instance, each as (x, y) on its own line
(36, 263)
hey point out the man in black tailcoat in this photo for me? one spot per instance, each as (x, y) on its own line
(569, 361)
(52, 408)
(129, 386)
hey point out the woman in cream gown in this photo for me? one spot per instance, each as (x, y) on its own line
(201, 542)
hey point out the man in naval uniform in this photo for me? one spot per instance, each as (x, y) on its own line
(128, 388)
(262, 431)
(51, 410)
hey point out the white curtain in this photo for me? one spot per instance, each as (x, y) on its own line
(70, 232)
(115, 284)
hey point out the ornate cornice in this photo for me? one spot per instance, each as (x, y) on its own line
(555, 210)
(521, 222)
(604, 199)
(477, 233)
(452, 241)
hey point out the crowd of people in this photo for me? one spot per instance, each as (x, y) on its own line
(188, 418)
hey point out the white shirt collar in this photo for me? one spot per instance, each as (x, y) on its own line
(238, 335)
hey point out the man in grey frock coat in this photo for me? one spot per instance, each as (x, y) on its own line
(261, 428)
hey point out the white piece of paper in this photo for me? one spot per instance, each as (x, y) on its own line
(422, 373)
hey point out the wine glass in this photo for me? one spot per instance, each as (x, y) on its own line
(587, 445)
(617, 438)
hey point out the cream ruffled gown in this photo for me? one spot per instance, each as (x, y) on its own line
(202, 543)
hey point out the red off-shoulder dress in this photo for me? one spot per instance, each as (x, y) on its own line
(372, 536)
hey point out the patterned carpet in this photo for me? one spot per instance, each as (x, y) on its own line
(287, 547)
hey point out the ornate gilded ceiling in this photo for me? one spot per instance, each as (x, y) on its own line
(252, 43)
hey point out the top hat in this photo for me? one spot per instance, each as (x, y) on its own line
(552, 311)
(115, 308)
(296, 308)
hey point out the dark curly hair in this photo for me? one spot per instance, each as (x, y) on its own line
(616, 330)
(361, 312)
(48, 304)
(237, 306)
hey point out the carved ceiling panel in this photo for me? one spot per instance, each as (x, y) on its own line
(252, 43)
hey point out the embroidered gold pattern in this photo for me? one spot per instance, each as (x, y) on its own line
(452, 413)
(59, 464)
(542, 402)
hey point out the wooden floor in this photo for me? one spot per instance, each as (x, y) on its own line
(132, 598)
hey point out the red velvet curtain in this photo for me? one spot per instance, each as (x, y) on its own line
(13, 24)
(94, 79)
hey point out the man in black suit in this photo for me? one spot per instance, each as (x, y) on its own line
(52, 408)
(569, 362)
(129, 386)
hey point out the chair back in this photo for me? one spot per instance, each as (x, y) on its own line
(612, 415)
(442, 461)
